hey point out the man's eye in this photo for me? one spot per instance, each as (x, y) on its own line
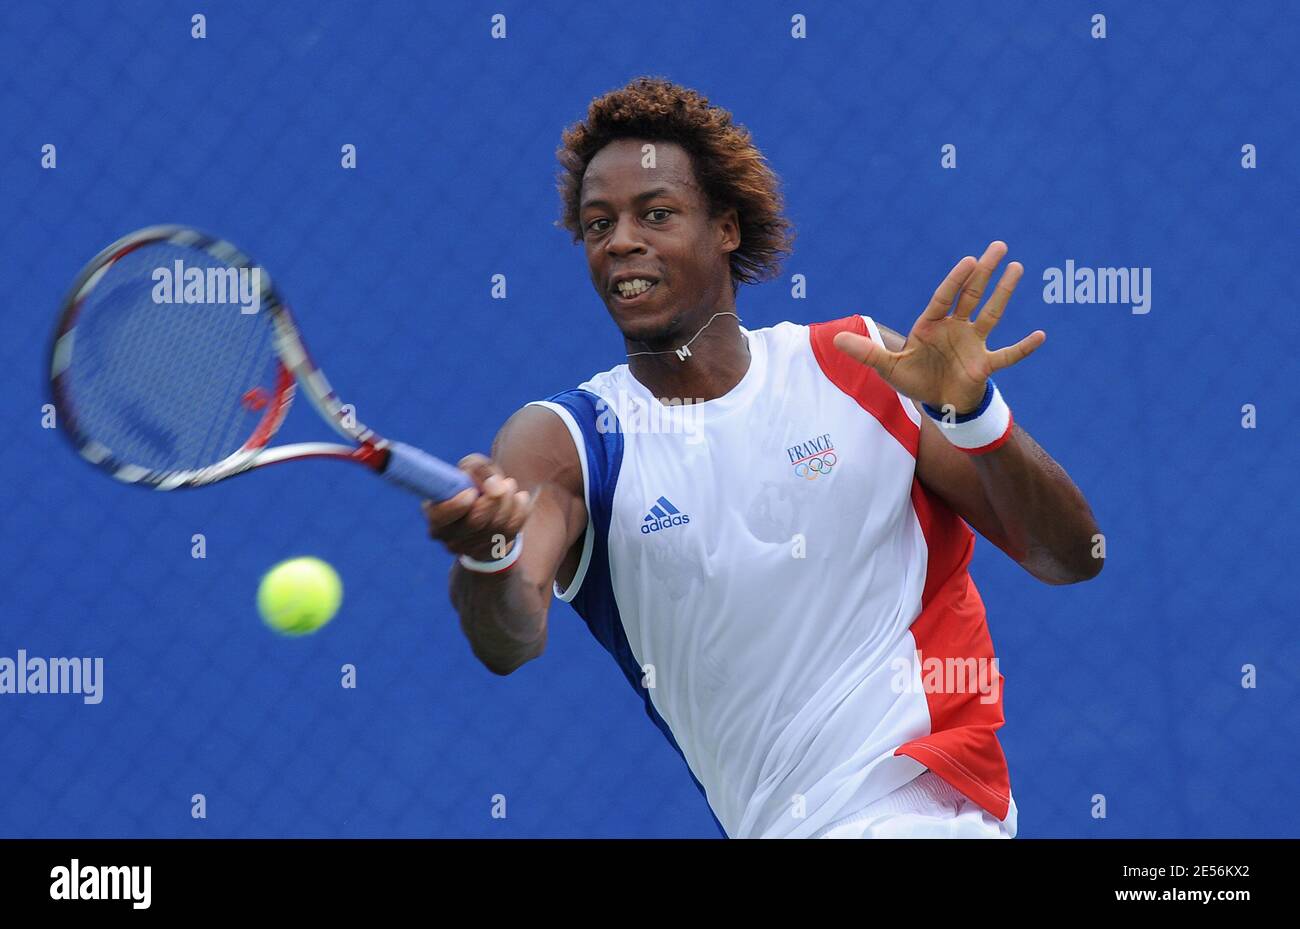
(591, 226)
(664, 210)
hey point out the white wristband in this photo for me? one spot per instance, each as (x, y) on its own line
(983, 429)
(494, 567)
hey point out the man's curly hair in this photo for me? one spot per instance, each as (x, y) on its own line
(728, 167)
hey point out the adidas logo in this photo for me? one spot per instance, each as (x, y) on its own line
(662, 516)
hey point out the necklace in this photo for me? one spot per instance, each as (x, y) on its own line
(685, 351)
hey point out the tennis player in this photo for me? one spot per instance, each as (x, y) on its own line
(778, 557)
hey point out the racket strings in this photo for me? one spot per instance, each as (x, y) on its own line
(169, 386)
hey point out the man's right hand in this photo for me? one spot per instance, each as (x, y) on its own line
(482, 521)
(504, 615)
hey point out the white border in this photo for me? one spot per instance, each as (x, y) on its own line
(589, 539)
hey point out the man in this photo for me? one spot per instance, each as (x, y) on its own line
(779, 560)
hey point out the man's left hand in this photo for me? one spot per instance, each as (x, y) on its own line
(945, 359)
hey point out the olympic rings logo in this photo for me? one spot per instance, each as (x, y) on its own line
(809, 469)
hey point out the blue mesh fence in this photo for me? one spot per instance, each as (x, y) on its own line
(1122, 151)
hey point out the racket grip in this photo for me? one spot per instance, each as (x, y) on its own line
(422, 474)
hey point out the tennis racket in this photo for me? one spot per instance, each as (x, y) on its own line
(175, 362)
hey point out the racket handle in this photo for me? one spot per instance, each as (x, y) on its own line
(420, 473)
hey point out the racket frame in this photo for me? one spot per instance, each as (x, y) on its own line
(294, 368)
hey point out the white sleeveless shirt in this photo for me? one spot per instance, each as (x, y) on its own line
(791, 604)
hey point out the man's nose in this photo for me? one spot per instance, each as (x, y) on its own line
(625, 239)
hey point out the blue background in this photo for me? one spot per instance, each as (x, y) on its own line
(1117, 152)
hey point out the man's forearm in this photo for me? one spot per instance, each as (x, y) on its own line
(1048, 524)
(502, 615)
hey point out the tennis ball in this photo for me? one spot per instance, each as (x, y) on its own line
(299, 595)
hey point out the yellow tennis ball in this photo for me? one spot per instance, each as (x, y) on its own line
(299, 595)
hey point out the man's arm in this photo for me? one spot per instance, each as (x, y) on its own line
(532, 486)
(1016, 496)
(1012, 492)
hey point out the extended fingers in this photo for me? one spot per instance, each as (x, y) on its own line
(992, 311)
(1005, 357)
(864, 350)
(979, 278)
(941, 302)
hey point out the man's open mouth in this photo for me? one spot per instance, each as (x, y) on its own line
(631, 290)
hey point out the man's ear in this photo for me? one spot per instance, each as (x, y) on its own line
(729, 230)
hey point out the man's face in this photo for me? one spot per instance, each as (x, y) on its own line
(653, 224)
